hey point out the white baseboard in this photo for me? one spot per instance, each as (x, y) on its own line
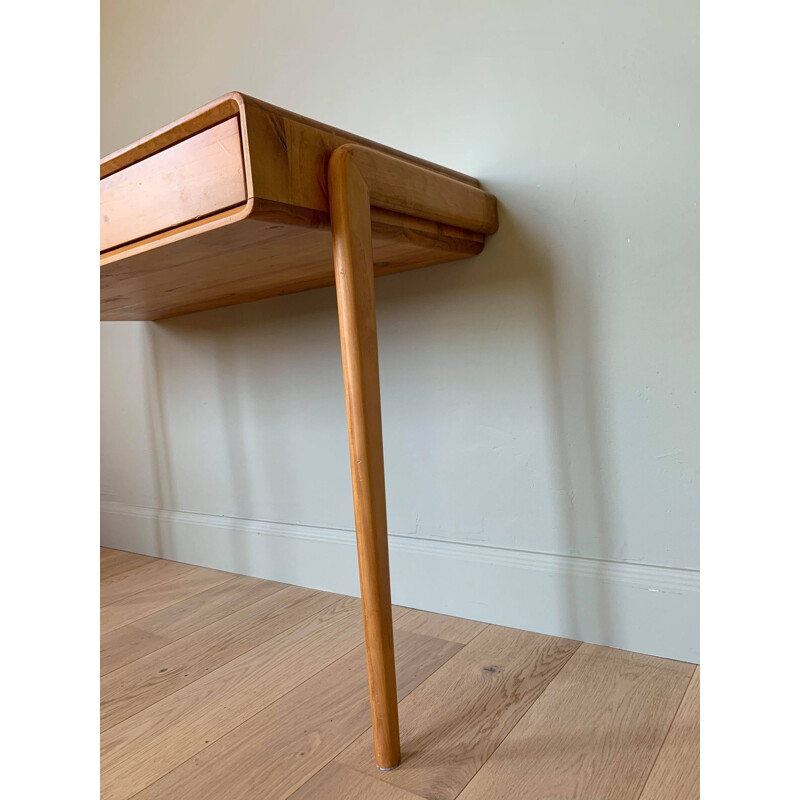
(637, 607)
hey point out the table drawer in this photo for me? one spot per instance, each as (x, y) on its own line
(189, 180)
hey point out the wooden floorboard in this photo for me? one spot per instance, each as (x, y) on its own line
(188, 616)
(135, 606)
(226, 687)
(454, 721)
(114, 562)
(676, 773)
(124, 645)
(594, 733)
(454, 629)
(136, 580)
(335, 782)
(278, 749)
(145, 747)
(145, 681)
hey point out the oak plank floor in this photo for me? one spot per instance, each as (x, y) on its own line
(146, 680)
(188, 616)
(452, 723)
(119, 586)
(454, 629)
(113, 562)
(162, 595)
(676, 773)
(148, 745)
(123, 645)
(229, 687)
(335, 782)
(594, 733)
(301, 732)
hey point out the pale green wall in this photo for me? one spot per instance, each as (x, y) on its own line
(539, 399)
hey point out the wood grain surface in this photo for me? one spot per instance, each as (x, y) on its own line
(162, 672)
(594, 733)
(253, 707)
(162, 595)
(676, 773)
(190, 180)
(278, 240)
(131, 581)
(453, 722)
(153, 742)
(335, 782)
(123, 645)
(113, 562)
(188, 616)
(281, 747)
(454, 629)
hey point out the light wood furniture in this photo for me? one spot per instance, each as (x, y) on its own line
(241, 200)
(257, 689)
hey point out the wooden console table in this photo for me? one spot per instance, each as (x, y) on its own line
(241, 200)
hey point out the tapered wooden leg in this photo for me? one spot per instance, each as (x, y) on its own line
(352, 247)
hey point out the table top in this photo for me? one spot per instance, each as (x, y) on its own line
(229, 204)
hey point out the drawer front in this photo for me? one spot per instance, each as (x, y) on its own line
(192, 179)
